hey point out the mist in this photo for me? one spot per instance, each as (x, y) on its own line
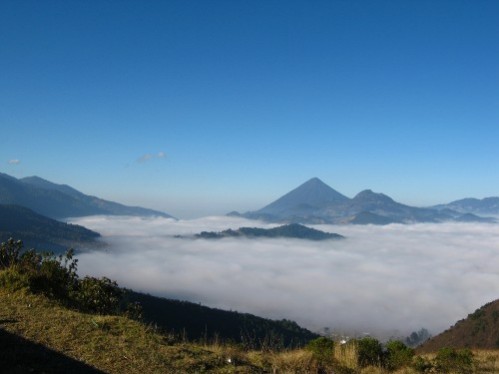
(384, 280)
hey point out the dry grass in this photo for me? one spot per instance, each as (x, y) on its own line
(112, 344)
(115, 344)
(487, 361)
(346, 355)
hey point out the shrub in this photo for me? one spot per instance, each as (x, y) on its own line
(10, 252)
(133, 310)
(456, 361)
(398, 355)
(422, 365)
(13, 280)
(322, 349)
(100, 296)
(56, 277)
(369, 352)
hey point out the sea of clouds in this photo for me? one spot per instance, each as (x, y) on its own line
(384, 280)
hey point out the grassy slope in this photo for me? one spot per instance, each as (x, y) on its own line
(38, 335)
(109, 343)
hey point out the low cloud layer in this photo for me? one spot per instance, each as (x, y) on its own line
(14, 161)
(384, 280)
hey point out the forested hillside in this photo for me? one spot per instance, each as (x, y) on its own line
(42, 232)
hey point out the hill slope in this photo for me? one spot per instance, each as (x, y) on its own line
(198, 322)
(61, 201)
(39, 336)
(479, 330)
(40, 231)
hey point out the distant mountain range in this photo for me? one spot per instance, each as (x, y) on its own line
(40, 232)
(486, 206)
(61, 201)
(294, 230)
(316, 202)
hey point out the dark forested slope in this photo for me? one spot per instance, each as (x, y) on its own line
(41, 232)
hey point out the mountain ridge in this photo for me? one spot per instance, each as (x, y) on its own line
(42, 232)
(487, 205)
(314, 202)
(61, 201)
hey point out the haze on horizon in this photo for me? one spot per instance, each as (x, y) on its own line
(198, 108)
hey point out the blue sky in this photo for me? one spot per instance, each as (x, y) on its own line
(202, 107)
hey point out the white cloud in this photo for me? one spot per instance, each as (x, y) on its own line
(14, 161)
(149, 156)
(379, 279)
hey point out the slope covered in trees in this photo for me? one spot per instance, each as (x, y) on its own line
(479, 329)
(294, 230)
(40, 231)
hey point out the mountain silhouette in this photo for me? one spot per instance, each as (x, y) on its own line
(42, 232)
(61, 201)
(485, 206)
(316, 202)
(303, 201)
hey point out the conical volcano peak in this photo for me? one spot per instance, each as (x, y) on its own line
(315, 180)
(312, 194)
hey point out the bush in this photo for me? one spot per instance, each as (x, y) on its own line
(456, 361)
(100, 296)
(13, 280)
(43, 273)
(56, 277)
(369, 352)
(398, 355)
(422, 365)
(10, 252)
(133, 310)
(322, 349)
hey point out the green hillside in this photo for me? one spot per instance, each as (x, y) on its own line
(40, 231)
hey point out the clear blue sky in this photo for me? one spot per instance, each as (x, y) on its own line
(202, 107)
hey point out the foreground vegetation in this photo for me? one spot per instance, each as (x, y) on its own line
(53, 321)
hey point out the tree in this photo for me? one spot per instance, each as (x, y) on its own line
(398, 355)
(417, 338)
(369, 352)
